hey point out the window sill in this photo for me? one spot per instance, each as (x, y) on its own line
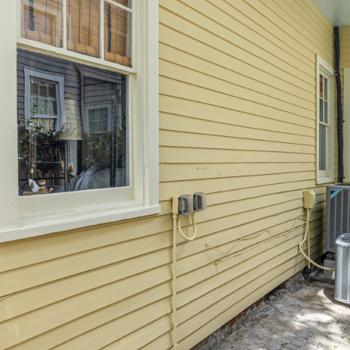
(36, 226)
(325, 180)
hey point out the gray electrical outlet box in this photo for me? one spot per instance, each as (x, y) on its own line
(186, 204)
(199, 201)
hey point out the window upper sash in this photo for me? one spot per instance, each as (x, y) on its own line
(99, 31)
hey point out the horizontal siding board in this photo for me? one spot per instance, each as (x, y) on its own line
(242, 36)
(33, 251)
(167, 190)
(189, 124)
(193, 60)
(138, 339)
(213, 112)
(224, 258)
(243, 273)
(320, 18)
(181, 140)
(210, 249)
(183, 155)
(214, 37)
(78, 263)
(255, 192)
(172, 37)
(308, 22)
(191, 91)
(101, 337)
(41, 321)
(204, 80)
(226, 170)
(279, 222)
(22, 302)
(89, 322)
(209, 81)
(277, 16)
(247, 16)
(161, 343)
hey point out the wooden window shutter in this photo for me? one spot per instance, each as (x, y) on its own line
(117, 34)
(83, 26)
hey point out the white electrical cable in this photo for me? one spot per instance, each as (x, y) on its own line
(173, 285)
(183, 234)
(306, 237)
(177, 227)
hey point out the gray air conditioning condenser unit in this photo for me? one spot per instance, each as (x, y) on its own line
(338, 214)
(342, 274)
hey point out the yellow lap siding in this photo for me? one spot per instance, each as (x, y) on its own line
(238, 80)
(221, 114)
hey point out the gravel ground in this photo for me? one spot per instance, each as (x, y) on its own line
(297, 315)
(307, 319)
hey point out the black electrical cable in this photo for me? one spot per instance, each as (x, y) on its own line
(339, 106)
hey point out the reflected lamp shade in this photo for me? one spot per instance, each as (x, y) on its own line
(71, 127)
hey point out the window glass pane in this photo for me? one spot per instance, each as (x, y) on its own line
(34, 87)
(42, 106)
(322, 147)
(51, 108)
(83, 21)
(325, 112)
(117, 25)
(321, 109)
(325, 90)
(321, 85)
(42, 21)
(85, 146)
(43, 88)
(43, 97)
(98, 119)
(34, 106)
(52, 90)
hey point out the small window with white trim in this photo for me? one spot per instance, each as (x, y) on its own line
(325, 122)
(43, 99)
(87, 114)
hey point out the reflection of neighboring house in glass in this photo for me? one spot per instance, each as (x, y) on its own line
(81, 110)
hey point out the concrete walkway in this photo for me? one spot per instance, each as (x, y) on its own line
(305, 319)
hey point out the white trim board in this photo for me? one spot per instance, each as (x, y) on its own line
(324, 68)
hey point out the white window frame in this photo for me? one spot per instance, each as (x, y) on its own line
(59, 80)
(22, 217)
(325, 176)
